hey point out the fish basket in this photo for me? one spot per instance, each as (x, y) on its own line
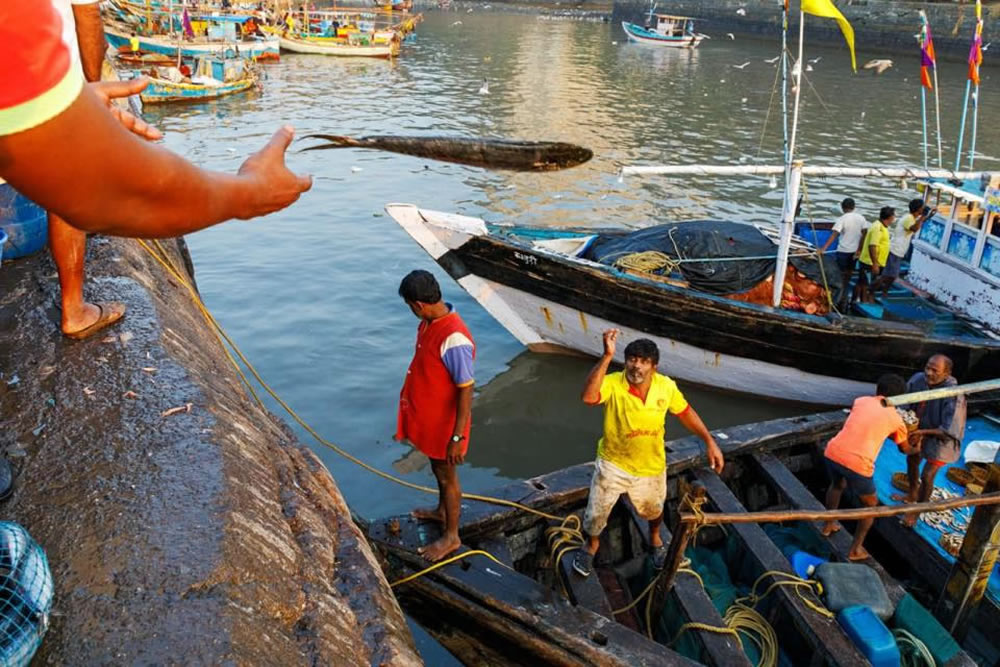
(26, 593)
(963, 476)
(901, 481)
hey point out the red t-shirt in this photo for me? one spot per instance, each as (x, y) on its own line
(428, 402)
(858, 443)
(37, 81)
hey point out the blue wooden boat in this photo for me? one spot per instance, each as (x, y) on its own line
(666, 30)
(213, 78)
(221, 40)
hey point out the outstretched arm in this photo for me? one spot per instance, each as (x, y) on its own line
(833, 237)
(692, 422)
(85, 167)
(592, 387)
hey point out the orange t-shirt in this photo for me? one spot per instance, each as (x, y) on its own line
(858, 443)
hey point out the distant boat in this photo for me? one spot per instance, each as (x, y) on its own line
(668, 30)
(384, 44)
(226, 44)
(213, 78)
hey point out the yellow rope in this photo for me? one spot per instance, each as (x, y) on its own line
(647, 262)
(447, 561)
(790, 580)
(562, 539)
(215, 324)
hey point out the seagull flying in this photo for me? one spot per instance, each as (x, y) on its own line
(879, 65)
(485, 88)
(742, 66)
(456, 23)
(771, 61)
(741, 11)
(730, 35)
(987, 47)
(815, 60)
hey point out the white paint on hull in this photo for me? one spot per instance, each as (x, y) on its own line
(957, 287)
(533, 321)
(354, 51)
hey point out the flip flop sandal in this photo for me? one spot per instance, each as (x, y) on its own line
(110, 313)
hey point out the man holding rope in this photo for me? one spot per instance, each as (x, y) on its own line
(630, 457)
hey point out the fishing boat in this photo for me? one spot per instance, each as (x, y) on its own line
(531, 608)
(139, 59)
(355, 45)
(221, 39)
(550, 290)
(211, 79)
(664, 30)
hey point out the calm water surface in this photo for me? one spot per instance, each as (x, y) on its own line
(310, 293)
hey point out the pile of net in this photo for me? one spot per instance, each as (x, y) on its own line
(724, 258)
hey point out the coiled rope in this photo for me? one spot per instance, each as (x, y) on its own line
(912, 651)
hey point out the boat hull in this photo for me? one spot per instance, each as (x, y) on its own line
(160, 91)
(547, 300)
(265, 49)
(640, 35)
(344, 50)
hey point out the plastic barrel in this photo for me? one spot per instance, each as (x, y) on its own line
(24, 221)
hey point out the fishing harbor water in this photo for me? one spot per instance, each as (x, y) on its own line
(310, 293)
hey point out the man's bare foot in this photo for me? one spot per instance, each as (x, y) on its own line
(830, 527)
(440, 548)
(900, 498)
(429, 514)
(858, 554)
(910, 520)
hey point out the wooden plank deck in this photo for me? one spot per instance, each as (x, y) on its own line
(831, 645)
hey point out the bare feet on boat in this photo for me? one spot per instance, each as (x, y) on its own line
(429, 514)
(858, 554)
(830, 527)
(910, 520)
(440, 548)
(900, 498)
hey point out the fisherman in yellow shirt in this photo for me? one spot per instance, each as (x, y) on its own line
(874, 254)
(630, 457)
(133, 43)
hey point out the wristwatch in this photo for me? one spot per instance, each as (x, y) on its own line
(457, 438)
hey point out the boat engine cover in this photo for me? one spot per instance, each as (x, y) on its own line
(849, 584)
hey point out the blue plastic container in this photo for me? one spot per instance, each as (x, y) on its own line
(870, 635)
(804, 563)
(24, 222)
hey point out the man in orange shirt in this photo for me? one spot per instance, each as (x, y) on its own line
(850, 455)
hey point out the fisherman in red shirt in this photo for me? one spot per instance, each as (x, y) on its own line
(435, 405)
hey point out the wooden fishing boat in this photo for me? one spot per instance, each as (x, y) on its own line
(515, 611)
(222, 43)
(213, 78)
(139, 59)
(355, 45)
(664, 30)
(539, 286)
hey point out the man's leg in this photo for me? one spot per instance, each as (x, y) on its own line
(649, 494)
(858, 552)
(451, 498)
(605, 487)
(654, 532)
(926, 488)
(913, 477)
(833, 495)
(68, 246)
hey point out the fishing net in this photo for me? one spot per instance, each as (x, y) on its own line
(26, 593)
(914, 618)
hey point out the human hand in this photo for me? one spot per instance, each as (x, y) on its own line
(454, 455)
(610, 337)
(272, 186)
(715, 459)
(107, 91)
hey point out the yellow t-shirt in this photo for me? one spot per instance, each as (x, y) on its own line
(134, 43)
(633, 430)
(878, 236)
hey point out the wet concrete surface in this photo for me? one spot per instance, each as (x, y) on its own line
(210, 536)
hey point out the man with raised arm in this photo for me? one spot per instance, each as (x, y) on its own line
(63, 148)
(630, 457)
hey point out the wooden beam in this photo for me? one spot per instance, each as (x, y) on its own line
(972, 569)
(823, 635)
(717, 649)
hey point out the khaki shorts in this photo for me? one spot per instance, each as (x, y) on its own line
(648, 494)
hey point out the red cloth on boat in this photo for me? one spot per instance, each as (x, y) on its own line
(428, 402)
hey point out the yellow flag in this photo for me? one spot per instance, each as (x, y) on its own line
(827, 10)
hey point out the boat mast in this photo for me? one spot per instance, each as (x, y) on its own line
(784, 80)
(793, 179)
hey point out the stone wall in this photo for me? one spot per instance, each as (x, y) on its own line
(205, 537)
(880, 26)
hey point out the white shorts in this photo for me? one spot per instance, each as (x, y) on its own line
(648, 494)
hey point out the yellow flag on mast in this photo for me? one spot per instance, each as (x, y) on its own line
(827, 10)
